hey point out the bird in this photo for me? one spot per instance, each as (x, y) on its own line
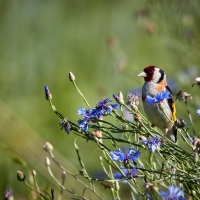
(154, 83)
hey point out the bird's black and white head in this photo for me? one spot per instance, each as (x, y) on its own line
(153, 73)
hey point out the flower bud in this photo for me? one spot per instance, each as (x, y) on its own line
(21, 176)
(48, 95)
(48, 147)
(137, 117)
(47, 162)
(121, 97)
(34, 173)
(71, 77)
(116, 98)
(63, 175)
(141, 127)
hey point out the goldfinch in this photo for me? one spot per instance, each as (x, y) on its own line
(155, 83)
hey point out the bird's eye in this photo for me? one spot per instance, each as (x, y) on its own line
(150, 72)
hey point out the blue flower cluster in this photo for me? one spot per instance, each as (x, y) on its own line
(158, 98)
(118, 155)
(173, 193)
(102, 108)
(152, 143)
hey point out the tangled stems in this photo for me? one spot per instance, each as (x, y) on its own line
(168, 162)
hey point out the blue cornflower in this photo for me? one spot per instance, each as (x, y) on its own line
(88, 115)
(152, 143)
(158, 98)
(173, 193)
(119, 175)
(48, 95)
(198, 111)
(118, 155)
(103, 106)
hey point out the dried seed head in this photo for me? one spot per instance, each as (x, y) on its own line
(180, 123)
(181, 95)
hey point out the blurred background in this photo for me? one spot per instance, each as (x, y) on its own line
(105, 44)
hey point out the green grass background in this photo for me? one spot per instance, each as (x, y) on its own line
(105, 44)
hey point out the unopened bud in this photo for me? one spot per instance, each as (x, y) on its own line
(100, 158)
(116, 98)
(34, 173)
(63, 175)
(21, 176)
(48, 95)
(121, 97)
(141, 127)
(137, 117)
(47, 162)
(71, 77)
(48, 147)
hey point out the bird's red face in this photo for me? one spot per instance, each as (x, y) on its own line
(152, 73)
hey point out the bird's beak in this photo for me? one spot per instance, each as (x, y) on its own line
(142, 74)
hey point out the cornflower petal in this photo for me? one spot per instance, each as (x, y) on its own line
(158, 98)
(117, 155)
(115, 106)
(173, 193)
(83, 124)
(81, 111)
(132, 155)
(152, 143)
